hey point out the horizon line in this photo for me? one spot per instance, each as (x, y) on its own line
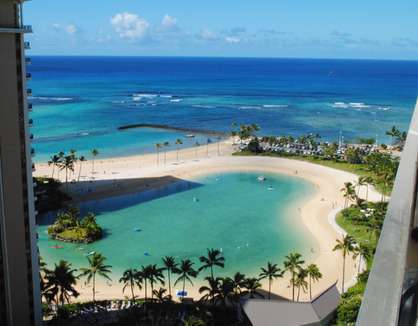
(219, 57)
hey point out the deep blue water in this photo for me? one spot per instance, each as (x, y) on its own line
(80, 101)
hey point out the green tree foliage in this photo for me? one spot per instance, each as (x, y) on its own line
(353, 155)
(68, 226)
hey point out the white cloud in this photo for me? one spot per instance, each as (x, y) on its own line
(71, 29)
(232, 39)
(169, 22)
(129, 26)
(207, 35)
(405, 42)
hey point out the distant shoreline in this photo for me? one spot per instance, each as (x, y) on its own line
(167, 127)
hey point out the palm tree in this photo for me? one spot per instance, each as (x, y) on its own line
(161, 296)
(271, 272)
(211, 290)
(252, 285)
(368, 181)
(363, 252)
(60, 282)
(165, 144)
(314, 275)
(362, 181)
(54, 161)
(393, 132)
(178, 143)
(348, 192)
(186, 271)
(74, 159)
(401, 139)
(130, 278)
(225, 291)
(155, 275)
(158, 146)
(96, 266)
(144, 274)
(346, 246)
(94, 153)
(81, 159)
(170, 266)
(214, 258)
(293, 264)
(239, 283)
(67, 164)
(300, 281)
(61, 157)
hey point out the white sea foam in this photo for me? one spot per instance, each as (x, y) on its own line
(46, 98)
(354, 105)
(249, 107)
(145, 95)
(340, 105)
(136, 97)
(275, 106)
(176, 100)
(203, 106)
(359, 105)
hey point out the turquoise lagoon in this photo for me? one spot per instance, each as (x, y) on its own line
(252, 222)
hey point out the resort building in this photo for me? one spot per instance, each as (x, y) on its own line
(319, 311)
(19, 271)
(392, 289)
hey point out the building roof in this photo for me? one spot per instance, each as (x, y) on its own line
(288, 313)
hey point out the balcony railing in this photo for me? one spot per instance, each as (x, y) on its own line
(30, 107)
(27, 29)
(28, 76)
(26, 45)
(392, 289)
(28, 61)
(29, 92)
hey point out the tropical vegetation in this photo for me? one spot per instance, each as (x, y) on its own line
(58, 284)
(70, 227)
(375, 163)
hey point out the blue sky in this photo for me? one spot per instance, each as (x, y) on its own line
(264, 28)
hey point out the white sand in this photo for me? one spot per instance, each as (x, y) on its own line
(118, 175)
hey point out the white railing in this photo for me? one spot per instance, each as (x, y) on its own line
(391, 267)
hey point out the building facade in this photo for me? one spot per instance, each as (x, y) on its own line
(20, 302)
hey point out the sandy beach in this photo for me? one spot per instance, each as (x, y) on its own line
(115, 176)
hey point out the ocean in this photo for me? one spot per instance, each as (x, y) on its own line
(79, 102)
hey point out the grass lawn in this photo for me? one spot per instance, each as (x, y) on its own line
(360, 233)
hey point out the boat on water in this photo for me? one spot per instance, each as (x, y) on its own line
(91, 253)
(261, 178)
(137, 230)
(270, 188)
(190, 135)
